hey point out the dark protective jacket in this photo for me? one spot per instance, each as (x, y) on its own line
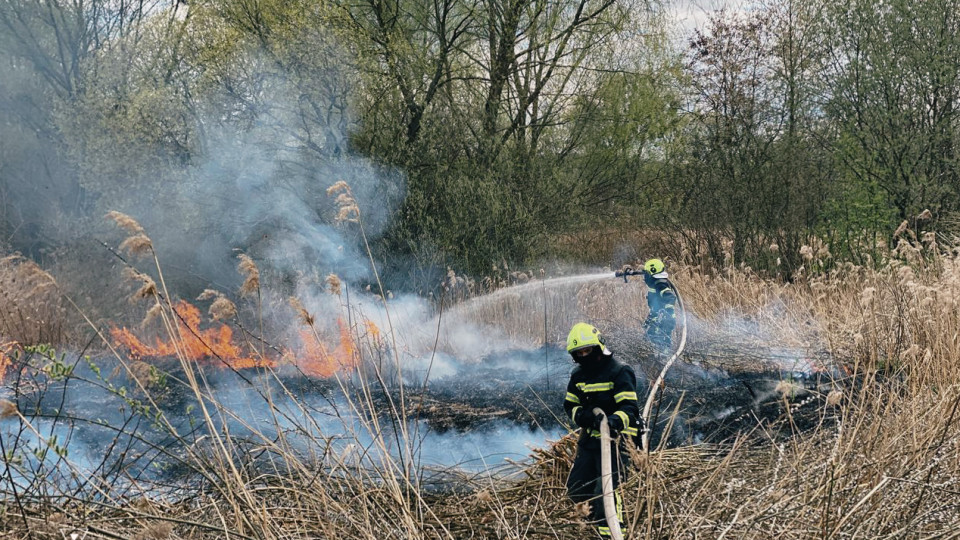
(662, 299)
(607, 384)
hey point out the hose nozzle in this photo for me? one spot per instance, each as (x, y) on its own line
(626, 272)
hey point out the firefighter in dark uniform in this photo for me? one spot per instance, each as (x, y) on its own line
(661, 299)
(599, 381)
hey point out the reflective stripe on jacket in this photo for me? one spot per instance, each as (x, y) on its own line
(661, 299)
(610, 385)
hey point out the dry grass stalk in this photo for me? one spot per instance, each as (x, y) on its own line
(348, 210)
(302, 314)
(137, 245)
(125, 222)
(222, 308)
(251, 273)
(333, 281)
(7, 408)
(31, 308)
(883, 463)
(148, 287)
(151, 315)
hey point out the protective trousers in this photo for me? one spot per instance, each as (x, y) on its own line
(585, 484)
(659, 332)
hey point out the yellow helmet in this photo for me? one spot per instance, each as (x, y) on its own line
(583, 335)
(653, 266)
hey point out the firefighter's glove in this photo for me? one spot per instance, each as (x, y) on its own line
(616, 425)
(598, 421)
(583, 419)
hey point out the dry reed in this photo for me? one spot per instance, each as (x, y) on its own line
(31, 308)
(348, 210)
(137, 245)
(148, 287)
(221, 308)
(251, 274)
(125, 222)
(883, 462)
(7, 409)
(303, 315)
(333, 281)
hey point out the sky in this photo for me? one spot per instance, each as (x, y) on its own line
(692, 14)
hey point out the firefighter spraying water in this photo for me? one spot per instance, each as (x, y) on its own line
(662, 299)
(602, 400)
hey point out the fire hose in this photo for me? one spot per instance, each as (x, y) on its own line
(607, 445)
(606, 477)
(658, 384)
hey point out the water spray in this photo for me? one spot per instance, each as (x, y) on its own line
(658, 384)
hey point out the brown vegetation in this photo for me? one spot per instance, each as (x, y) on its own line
(883, 462)
(31, 310)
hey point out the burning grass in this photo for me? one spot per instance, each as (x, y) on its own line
(877, 454)
(215, 345)
(196, 344)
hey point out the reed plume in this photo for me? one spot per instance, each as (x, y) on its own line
(305, 317)
(349, 211)
(151, 315)
(251, 273)
(901, 229)
(148, 287)
(137, 243)
(221, 308)
(335, 284)
(125, 222)
(7, 408)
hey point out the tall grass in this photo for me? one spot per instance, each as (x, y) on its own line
(883, 462)
(31, 311)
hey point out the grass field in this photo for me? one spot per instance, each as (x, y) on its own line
(883, 461)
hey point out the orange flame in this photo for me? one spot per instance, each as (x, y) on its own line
(193, 343)
(214, 345)
(5, 360)
(319, 362)
(374, 332)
